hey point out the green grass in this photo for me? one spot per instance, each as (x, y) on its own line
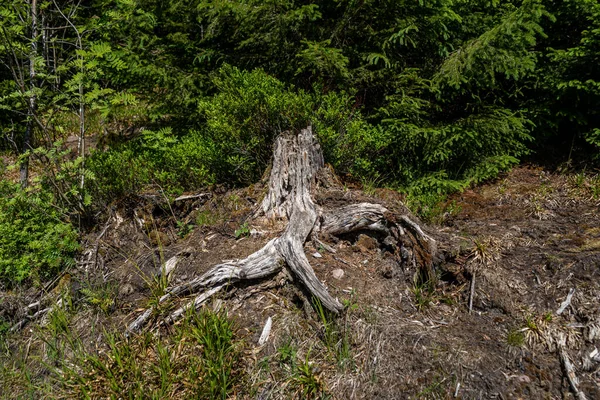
(199, 358)
(335, 335)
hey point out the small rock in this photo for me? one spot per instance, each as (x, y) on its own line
(337, 273)
(386, 271)
(317, 255)
(126, 289)
(390, 241)
(256, 233)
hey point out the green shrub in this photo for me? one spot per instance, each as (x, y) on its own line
(234, 144)
(35, 241)
(242, 119)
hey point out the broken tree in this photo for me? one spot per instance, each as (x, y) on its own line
(298, 167)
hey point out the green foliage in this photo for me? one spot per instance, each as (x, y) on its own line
(504, 49)
(425, 97)
(569, 82)
(101, 296)
(244, 116)
(214, 332)
(322, 60)
(35, 242)
(242, 231)
(335, 335)
(288, 353)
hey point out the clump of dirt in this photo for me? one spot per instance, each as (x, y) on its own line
(513, 249)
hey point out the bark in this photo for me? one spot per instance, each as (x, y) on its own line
(297, 160)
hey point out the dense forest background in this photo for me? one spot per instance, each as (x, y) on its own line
(103, 99)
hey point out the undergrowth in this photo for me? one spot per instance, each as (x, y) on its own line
(37, 241)
(336, 334)
(198, 358)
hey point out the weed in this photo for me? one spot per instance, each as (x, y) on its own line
(579, 180)
(242, 231)
(531, 324)
(234, 201)
(484, 251)
(424, 291)
(371, 183)
(206, 218)
(432, 208)
(101, 297)
(200, 359)
(4, 328)
(287, 354)
(515, 338)
(434, 390)
(214, 332)
(335, 337)
(263, 364)
(183, 229)
(308, 382)
(595, 187)
(534, 327)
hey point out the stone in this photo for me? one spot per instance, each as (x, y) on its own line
(337, 273)
(126, 289)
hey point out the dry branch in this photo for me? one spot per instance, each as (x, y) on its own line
(569, 369)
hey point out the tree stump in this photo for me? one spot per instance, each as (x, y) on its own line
(297, 161)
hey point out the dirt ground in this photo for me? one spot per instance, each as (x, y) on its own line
(522, 242)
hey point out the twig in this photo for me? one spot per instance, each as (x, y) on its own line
(192, 196)
(97, 247)
(325, 246)
(569, 370)
(342, 261)
(472, 292)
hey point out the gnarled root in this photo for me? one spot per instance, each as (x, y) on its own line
(297, 161)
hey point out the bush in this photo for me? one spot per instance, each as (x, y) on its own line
(241, 120)
(234, 143)
(35, 243)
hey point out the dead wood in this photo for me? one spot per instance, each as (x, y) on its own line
(297, 160)
(569, 369)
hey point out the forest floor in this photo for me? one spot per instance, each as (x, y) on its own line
(527, 239)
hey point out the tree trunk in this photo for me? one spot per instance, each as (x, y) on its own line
(297, 160)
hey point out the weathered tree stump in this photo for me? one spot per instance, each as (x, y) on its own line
(297, 160)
